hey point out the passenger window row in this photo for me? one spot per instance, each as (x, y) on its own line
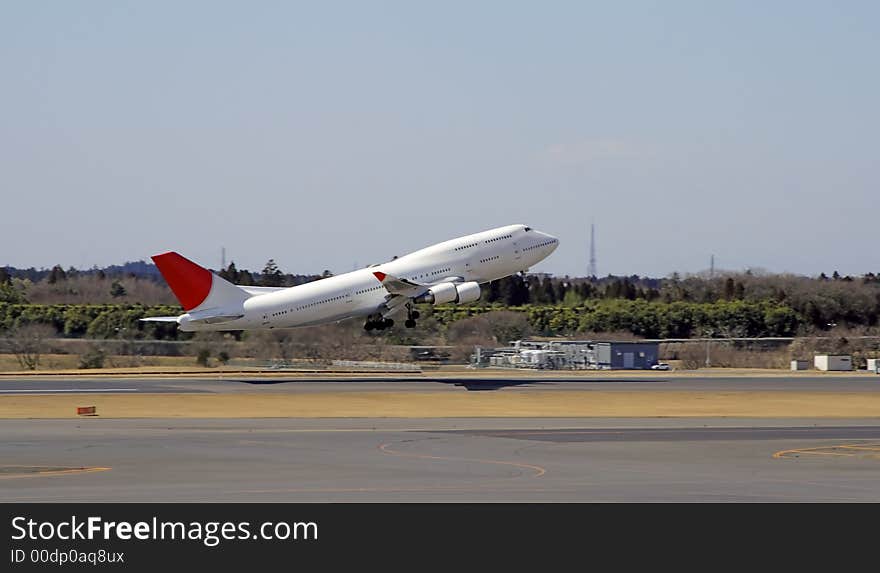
(430, 274)
(318, 302)
(539, 245)
(498, 238)
(463, 247)
(496, 257)
(366, 290)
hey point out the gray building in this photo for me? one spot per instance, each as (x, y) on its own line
(625, 355)
(571, 355)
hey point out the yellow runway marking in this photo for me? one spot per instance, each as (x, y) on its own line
(51, 472)
(539, 471)
(848, 451)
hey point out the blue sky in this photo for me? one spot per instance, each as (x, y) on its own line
(334, 134)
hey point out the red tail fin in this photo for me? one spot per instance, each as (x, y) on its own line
(189, 282)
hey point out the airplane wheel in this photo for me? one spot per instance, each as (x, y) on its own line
(410, 323)
(388, 323)
(415, 315)
(369, 326)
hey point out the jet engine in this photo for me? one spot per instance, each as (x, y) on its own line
(449, 292)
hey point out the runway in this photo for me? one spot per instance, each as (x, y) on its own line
(479, 437)
(440, 460)
(429, 383)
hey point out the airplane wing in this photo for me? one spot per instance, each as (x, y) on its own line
(400, 287)
(401, 291)
(403, 287)
(159, 319)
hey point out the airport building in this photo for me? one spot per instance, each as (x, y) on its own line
(570, 355)
(831, 363)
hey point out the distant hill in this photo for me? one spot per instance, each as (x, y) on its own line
(139, 269)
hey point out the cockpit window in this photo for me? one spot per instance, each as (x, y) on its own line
(528, 228)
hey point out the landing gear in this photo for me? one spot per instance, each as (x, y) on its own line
(411, 316)
(380, 324)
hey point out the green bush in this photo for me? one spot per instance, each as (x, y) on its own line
(203, 356)
(650, 319)
(92, 358)
(93, 320)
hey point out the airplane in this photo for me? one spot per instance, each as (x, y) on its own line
(450, 272)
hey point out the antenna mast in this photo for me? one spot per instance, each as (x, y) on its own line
(591, 270)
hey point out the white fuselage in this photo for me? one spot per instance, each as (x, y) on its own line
(481, 257)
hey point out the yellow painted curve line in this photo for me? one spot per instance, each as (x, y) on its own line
(463, 488)
(867, 447)
(539, 471)
(52, 473)
(822, 450)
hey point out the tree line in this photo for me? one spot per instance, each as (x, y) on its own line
(134, 283)
(818, 304)
(727, 304)
(649, 319)
(93, 320)
(641, 318)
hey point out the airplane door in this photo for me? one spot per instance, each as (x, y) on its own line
(469, 265)
(517, 253)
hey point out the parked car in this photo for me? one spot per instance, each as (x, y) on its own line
(660, 366)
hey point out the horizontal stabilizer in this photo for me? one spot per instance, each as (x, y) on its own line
(258, 290)
(212, 318)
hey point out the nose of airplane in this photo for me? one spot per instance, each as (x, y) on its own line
(554, 242)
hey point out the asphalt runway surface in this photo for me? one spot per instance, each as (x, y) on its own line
(427, 383)
(440, 460)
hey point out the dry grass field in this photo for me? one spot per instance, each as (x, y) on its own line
(760, 404)
(53, 362)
